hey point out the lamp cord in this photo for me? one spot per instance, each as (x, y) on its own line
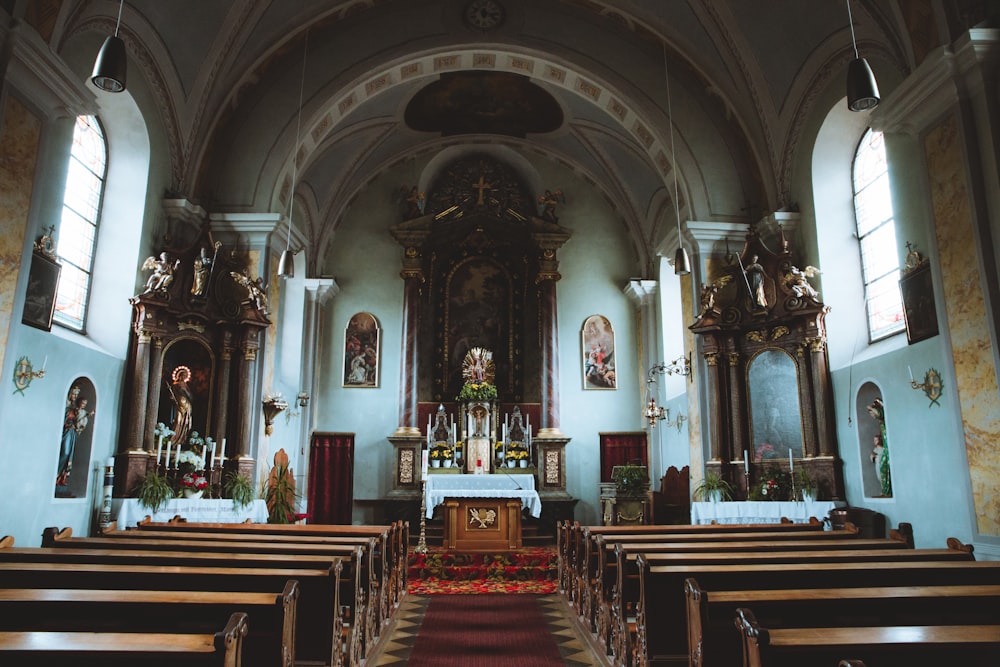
(118, 25)
(673, 161)
(295, 151)
(850, 20)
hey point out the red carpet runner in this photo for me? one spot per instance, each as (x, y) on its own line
(530, 570)
(485, 631)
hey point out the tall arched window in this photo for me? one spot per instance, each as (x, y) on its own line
(877, 238)
(77, 235)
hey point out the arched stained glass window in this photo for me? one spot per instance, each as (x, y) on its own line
(877, 238)
(77, 237)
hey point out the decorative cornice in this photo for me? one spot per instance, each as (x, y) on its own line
(643, 292)
(42, 77)
(321, 290)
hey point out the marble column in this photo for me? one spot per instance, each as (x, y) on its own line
(714, 409)
(222, 393)
(140, 392)
(245, 392)
(644, 294)
(821, 402)
(548, 321)
(153, 399)
(736, 402)
(413, 280)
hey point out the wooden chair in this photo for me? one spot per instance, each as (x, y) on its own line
(672, 503)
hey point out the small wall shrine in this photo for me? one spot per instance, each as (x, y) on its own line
(768, 379)
(196, 329)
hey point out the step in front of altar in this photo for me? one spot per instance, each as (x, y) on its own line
(531, 536)
(528, 564)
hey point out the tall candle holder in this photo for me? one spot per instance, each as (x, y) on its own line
(421, 547)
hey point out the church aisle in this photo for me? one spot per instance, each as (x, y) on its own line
(539, 632)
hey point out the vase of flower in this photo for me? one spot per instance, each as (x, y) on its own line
(511, 463)
(523, 463)
(193, 493)
(435, 463)
(446, 463)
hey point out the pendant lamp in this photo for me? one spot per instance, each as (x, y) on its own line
(682, 264)
(111, 64)
(286, 265)
(862, 89)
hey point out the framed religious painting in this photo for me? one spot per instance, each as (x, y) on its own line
(40, 298)
(917, 292)
(598, 337)
(362, 340)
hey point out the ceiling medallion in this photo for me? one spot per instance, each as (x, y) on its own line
(484, 14)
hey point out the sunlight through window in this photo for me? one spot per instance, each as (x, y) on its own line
(77, 235)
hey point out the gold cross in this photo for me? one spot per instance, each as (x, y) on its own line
(482, 186)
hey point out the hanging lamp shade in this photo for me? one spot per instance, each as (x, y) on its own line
(111, 66)
(286, 265)
(682, 264)
(862, 89)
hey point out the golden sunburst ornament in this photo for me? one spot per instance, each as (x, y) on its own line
(478, 366)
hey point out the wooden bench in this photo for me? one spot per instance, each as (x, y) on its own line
(713, 640)
(320, 624)
(126, 649)
(357, 581)
(396, 545)
(911, 645)
(597, 568)
(661, 616)
(271, 643)
(598, 601)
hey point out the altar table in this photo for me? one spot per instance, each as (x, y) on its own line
(762, 511)
(497, 485)
(128, 512)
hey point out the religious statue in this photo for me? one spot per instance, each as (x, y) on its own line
(256, 290)
(708, 292)
(75, 421)
(478, 366)
(202, 269)
(414, 202)
(181, 396)
(755, 279)
(163, 271)
(796, 280)
(548, 202)
(880, 450)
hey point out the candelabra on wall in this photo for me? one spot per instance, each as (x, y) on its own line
(654, 413)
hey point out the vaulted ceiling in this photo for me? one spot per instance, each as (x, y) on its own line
(586, 79)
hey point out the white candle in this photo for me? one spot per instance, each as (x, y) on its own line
(211, 460)
(45, 361)
(454, 437)
(791, 463)
(159, 449)
(505, 435)
(746, 462)
(911, 373)
(423, 464)
(222, 450)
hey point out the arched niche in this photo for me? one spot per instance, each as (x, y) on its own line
(871, 437)
(194, 355)
(76, 439)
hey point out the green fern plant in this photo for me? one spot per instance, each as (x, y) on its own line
(240, 489)
(711, 484)
(154, 491)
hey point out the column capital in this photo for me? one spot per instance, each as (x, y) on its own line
(642, 291)
(320, 290)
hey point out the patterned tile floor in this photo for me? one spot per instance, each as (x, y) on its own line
(394, 649)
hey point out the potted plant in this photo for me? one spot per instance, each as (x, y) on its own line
(713, 488)
(240, 489)
(773, 484)
(631, 481)
(154, 491)
(279, 492)
(805, 484)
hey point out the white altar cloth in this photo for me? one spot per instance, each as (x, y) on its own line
(761, 511)
(499, 485)
(128, 512)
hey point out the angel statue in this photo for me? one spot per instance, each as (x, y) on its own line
(256, 290)
(413, 202)
(548, 202)
(163, 271)
(796, 280)
(708, 292)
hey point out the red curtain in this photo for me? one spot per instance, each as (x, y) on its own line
(331, 478)
(621, 448)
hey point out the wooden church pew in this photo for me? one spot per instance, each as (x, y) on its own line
(271, 643)
(126, 649)
(319, 616)
(914, 646)
(713, 639)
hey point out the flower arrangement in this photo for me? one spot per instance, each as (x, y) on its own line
(766, 451)
(441, 452)
(774, 484)
(477, 391)
(517, 453)
(189, 457)
(194, 481)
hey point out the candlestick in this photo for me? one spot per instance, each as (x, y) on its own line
(222, 450)
(791, 462)
(159, 449)
(211, 460)
(746, 460)
(424, 462)
(911, 373)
